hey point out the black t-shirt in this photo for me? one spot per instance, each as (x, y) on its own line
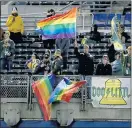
(86, 64)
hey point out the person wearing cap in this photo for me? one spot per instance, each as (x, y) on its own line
(117, 65)
(104, 68)
(44, 66)
(7, 50)
(86, 64)
(57, 63)
(127, 62)
(15, 26)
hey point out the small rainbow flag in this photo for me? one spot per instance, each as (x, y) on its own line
(115, 37)
(58, 26)
(65, 90)
(43, 89)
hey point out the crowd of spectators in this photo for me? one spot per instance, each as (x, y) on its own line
(114, 63)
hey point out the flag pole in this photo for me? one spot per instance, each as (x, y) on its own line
(76, 25)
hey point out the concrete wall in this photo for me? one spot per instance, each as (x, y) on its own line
(90, 113)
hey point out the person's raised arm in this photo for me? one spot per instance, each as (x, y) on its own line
(76, 49)
(10, 20)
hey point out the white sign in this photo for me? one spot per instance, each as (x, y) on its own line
(110, 92)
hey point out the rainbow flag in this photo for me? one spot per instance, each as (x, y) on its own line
(65, 89)
(115, 37)
(58, 26)
(43, 89)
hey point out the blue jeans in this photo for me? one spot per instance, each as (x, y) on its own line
(5, 63)
(89, 79)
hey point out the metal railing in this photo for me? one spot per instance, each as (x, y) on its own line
(84, 21)
(76, 96)
(14, 88)
(18, 89)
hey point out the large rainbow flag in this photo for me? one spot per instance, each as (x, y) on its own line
(65, 90)
(58, 26)
(115, 37)
(43, 89)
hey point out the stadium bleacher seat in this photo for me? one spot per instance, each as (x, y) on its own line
(33, 43)
(110, 16)
(25, 49)
(100, 19)
(127, 21)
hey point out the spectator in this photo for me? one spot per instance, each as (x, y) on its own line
(7, 50)
(57, 63)
(117, 65)
(112, 51)
(94, 34)
(32, 63)
(93, 37)
(127, 9)
(50, 13)
(104, 68)
(123, 33)
(63, 45)
(15, 26)
(44, 67)
(86, 65)
(50, 43)
(127, 62)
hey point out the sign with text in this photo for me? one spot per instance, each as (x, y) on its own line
(110, 92)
